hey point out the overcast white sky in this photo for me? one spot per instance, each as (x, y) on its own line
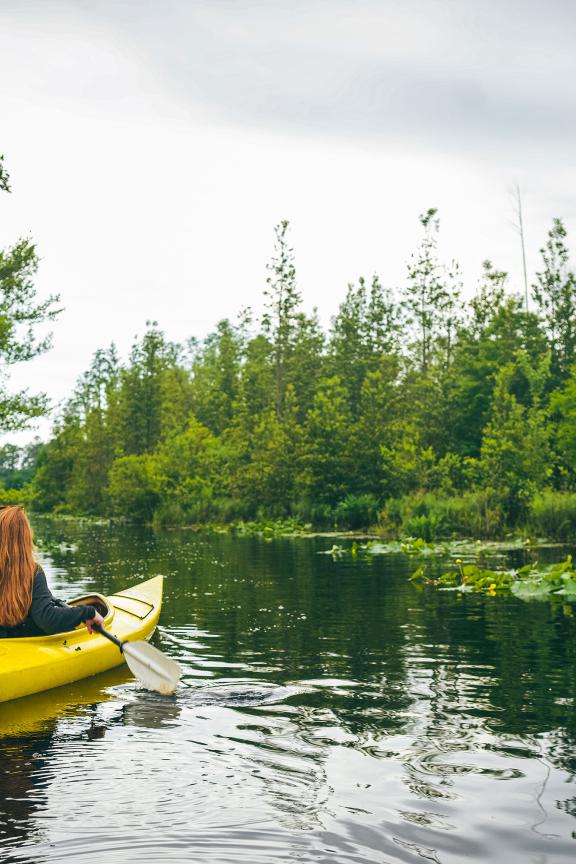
(154, 144)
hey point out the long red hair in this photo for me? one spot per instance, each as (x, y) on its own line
(17, 565)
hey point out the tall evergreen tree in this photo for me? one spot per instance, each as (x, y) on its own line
(515, 454)
(431, 298)
(282, 308)
(496, 329)
(216, 375)
(554, 293)
(328, 445)
(365, 330)
(140, 397)
(305, 365)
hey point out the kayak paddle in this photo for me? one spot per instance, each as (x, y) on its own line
(151, 666)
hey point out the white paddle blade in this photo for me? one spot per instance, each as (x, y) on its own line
(154, 669)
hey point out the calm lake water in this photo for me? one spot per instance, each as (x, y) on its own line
(330, 712)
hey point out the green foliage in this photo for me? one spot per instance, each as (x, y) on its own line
(555, 295)
(18, 464)
(498, 329)
(531, 582)
(553, 515)
(20, 315)
(431, 299)
(328, 459)
(478, 513)
(427, 526)
(356, 511)
(557, 580)
(280, 322)
(216, 376)
(428, 415)
(563, 411)
(472, 552)
(515, 454)
(142, 384)
(472, 577)
(22, 495)
(134, 486)
(364, 334)
(188, 483)
(270, 529)
(50, 486)
(4, 177)
(266, 477)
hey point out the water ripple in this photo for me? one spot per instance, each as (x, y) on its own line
(328, 712)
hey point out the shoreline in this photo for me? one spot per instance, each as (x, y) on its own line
(276, 530)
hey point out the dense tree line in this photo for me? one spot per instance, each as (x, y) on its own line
(420, 409)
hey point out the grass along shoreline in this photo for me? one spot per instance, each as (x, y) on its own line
(424, 516)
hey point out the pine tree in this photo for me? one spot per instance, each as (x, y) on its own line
(140, 396)
(216, 375)
(515, 453)
(364, 331)
(431, 298)
(282, 304)
(554, 293)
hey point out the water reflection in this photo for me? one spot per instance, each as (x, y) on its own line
(20, 790)
(329, 711)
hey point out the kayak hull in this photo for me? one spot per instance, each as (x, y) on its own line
(38, 663)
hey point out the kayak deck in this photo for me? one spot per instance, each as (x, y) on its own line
(37, 663)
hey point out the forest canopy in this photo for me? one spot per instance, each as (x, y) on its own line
(430, 410)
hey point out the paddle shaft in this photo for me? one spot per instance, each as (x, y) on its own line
(109, 636)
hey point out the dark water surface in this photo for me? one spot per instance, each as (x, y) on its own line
(330, 712)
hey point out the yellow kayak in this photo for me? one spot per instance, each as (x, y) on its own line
(39, 712)
(38, 663)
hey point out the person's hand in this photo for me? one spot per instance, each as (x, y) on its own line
(98, 619)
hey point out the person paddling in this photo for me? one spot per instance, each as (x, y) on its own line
(27, 607)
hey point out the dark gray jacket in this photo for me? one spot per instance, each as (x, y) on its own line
(47, 615)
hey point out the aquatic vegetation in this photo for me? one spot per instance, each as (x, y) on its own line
(55, 546)
(419, 548)
(531, 582)
(340, 551)
(270, 528)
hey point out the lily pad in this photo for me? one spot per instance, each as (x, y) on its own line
(531, 590)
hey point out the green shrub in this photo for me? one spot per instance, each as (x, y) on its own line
(477, 514)
(134, 486)
(356, 511)
(16, 496)
(321, 516)
(420, 514)
(227, 509)
(553, 514)
(426, 527)
(168, 514)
